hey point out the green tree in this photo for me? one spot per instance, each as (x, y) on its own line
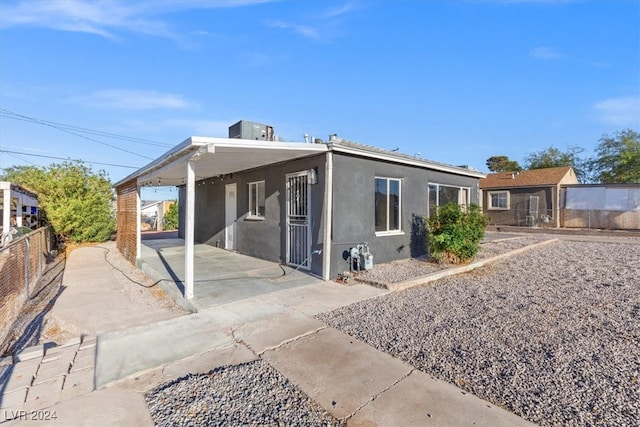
(503, 164)
(171, 217)
(552, 157)
(618, 158)
(74, 200)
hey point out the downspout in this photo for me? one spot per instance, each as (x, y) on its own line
(328, 216)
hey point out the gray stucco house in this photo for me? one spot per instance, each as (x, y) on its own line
(302, 204)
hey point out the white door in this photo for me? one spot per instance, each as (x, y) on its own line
(298, 220)
(230, 207)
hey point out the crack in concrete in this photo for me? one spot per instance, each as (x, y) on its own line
(375, 396)
(290, 340)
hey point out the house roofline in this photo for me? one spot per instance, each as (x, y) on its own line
(403, 159)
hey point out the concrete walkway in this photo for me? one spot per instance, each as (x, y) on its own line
(348, 378)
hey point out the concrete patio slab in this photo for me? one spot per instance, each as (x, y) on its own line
(275, 330)
(221, 276)
(420, 400)
(123, 353)
(324, 296)
(339, 372)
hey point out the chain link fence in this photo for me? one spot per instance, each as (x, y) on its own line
(22, 263)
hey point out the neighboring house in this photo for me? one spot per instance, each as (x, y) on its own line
(152, 214)
(301, 204)
(19, 206)
(527, 198)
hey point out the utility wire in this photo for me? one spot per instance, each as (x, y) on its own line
(62, 158)
(16, 116)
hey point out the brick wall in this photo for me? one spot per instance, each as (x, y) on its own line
(127, 215)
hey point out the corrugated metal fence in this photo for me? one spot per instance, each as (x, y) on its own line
(22, 263)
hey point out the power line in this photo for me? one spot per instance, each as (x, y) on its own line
(16, 116)
(62, 158)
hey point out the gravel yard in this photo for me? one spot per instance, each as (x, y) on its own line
(249, 394)
(398, 271)
(551, 334)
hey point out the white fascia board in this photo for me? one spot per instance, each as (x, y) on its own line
(398, 159)
(168, 157)
(259, 145)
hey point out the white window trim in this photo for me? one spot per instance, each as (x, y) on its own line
(438, 185)
(399, 231)
(498, 208)
(252, 203)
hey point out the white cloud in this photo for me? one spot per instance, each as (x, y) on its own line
(319, 26)
(303, 30)
(623, 111)
(338, 11)
(545, 52)
(134, 100)
(104, 18)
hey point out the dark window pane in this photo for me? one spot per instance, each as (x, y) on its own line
(381, 205)
(394, 205)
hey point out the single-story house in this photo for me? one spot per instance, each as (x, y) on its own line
(152, 213)
(527, 198)
(302, 204)
(19, 206)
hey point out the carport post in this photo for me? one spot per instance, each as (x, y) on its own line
(189, 232)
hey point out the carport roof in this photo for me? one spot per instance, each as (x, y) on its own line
(217, 156)
(221, 156)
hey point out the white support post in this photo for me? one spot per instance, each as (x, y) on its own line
(328, 217)
(6, 207)
(19, 212)
(138, 226)
(189, 230)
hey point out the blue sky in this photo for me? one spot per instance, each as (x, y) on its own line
(457, 81)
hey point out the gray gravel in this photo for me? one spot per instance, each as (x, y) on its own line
(552, 334)
(406, 269)
(249, 394)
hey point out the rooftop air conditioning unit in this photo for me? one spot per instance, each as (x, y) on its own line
(251, 130)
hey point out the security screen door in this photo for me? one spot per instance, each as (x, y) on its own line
(298, 220)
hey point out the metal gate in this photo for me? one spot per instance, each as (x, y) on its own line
(298, 221)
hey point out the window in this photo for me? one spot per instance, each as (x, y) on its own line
(387, 205)
(256, 199)
(498, 200)
(440, 195)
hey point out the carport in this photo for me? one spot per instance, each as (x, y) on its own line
(221, 276)
(197, 159)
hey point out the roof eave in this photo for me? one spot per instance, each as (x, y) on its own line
(337, 147)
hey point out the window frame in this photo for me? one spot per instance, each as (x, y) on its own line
(461, 188)
(490, 205)
(388, 231)
(254, 205)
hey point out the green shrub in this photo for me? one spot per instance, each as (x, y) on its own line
(171, 217)
(455, 234)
